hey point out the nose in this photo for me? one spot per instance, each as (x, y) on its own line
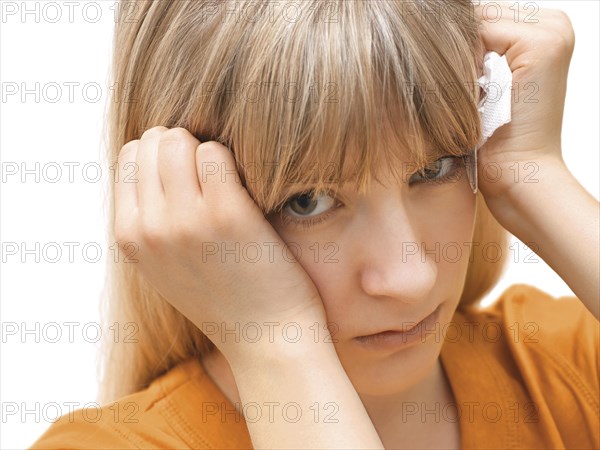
(390, 265)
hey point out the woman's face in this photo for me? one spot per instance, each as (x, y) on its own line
(384, 261)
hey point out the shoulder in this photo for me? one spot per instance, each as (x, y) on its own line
(170, 413)
(540, 351)
(533, 357)
(558, 333)
(131, 422)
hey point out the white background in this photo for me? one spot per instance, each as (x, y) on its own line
(37, 375)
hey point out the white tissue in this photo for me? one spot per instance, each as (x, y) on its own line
(495, 107)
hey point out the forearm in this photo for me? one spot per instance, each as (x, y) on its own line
(306, 398)
(561, 220)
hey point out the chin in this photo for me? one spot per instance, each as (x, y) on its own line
(389, 374)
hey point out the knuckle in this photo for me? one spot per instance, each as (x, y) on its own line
(179, 136)
(562, 16)
(151, 236)
(567, 32)
(184, 231)
(154, 132)
(557, 43)
(211, 147)
(150, 232)
(563, 34)
(128, 148)
(123, 232)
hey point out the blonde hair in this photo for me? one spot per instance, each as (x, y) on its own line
(285, 89)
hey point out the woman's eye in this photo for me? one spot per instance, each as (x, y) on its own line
(441, 170)
(307, 204)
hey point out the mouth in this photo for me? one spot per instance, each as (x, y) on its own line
(410, 333)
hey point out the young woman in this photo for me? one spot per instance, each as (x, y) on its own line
(301, 249)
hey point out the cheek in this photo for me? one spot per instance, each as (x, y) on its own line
(454, 223)
(328, 261)
(323, 261)
(450, 236)
(446, 218)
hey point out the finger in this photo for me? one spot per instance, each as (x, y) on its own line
(150, 189)
(177, 166)
(217, 172)
(497, 34)
(507, 30)
(126, 198)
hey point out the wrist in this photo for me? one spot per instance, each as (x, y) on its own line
(291, 360)
(514, 204)
(278, 342)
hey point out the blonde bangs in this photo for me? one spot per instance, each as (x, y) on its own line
(293, 98)
(377, 82)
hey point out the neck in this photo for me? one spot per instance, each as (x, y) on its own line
(416, 409)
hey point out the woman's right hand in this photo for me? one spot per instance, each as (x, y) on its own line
(204, 244)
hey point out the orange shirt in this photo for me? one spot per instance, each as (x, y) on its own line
(524, 373)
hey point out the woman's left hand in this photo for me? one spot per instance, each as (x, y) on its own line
(521, 172)
(538, 45)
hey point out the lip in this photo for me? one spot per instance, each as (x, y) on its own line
(392, 339)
